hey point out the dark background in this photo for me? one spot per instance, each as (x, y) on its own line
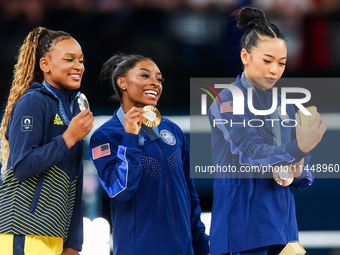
(186, 39)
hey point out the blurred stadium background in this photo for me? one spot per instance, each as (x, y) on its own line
(186, 39)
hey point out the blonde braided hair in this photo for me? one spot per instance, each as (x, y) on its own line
(37, 43)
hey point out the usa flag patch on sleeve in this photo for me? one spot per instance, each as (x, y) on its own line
(101, 151)
(227, 107)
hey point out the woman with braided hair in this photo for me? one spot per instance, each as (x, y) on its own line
(42, 135)
(253, 213)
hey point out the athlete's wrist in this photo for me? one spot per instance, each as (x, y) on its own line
(69, 140)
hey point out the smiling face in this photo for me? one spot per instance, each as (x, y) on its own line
(63, 66)
(265, 64)
(141, 86)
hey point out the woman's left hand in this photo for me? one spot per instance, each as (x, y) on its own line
(298, 168)
(70, 251)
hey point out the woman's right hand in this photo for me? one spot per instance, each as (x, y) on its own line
(79, 127)
(133, 120)
(308, 139)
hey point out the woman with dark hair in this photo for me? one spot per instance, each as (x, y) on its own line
(254, 213)
(146, 171)
(42, 143)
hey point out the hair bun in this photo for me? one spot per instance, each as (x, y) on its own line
(249, 17)
(254, 22)
(117, 59)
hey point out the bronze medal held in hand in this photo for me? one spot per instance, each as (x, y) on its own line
(83, 102)
(283, 175)
(151, 116)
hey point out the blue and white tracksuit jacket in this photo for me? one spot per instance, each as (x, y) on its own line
(154, 205)
(42, 191)
(252, 212)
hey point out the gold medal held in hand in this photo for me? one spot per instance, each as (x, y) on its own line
(151, 116)
(283, 175)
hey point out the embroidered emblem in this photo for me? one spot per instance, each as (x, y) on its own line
(26, 123)
(167, 137)
(58, 120)
(101, 151)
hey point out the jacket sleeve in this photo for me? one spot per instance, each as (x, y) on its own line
(118, 166)
(247, 143)
(200, 239)
(75, 233)
(29, 157)
(306, 178)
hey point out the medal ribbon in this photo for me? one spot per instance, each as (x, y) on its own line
(61, 107)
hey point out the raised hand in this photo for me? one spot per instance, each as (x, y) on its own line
(133, 120)
(79, 127)
(308, 139)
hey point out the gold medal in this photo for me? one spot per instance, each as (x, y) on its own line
(283, 175)
(152, 116)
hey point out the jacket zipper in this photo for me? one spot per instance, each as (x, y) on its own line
(167, 189)
(284, 225)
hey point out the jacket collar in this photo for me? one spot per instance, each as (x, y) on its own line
(45, 88)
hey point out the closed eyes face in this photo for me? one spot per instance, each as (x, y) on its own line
(266, 62)
(143, 85)
(63, 66)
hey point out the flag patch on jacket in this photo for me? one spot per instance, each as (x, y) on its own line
(101, 151)
(227, 107)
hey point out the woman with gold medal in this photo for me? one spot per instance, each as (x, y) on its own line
(143, 164)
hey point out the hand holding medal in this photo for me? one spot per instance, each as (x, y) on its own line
(283, 175)
(83, 102)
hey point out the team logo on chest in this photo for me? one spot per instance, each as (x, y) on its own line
(58, 120)
(167, 137)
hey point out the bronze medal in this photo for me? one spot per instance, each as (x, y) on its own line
(283, 175)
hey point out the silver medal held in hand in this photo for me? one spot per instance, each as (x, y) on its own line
(151, 116)
(83, 102)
